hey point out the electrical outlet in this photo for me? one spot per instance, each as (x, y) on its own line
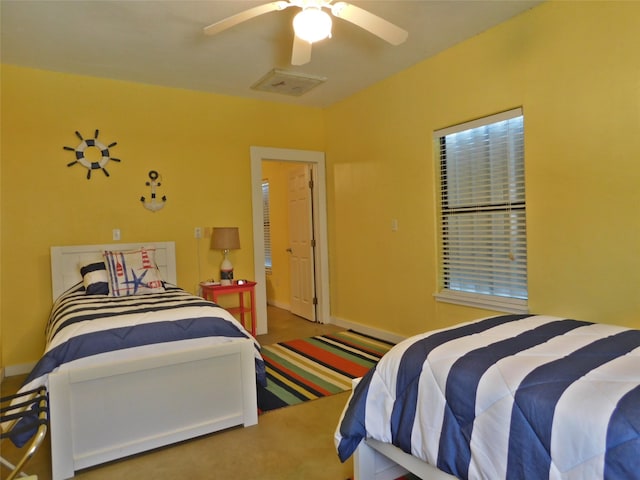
(197, 232)
(116, 233)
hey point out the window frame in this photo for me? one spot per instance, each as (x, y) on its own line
(502, 303)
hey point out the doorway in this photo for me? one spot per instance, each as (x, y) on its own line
(289, 237)
(320, 253)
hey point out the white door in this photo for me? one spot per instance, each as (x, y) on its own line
(301, 242)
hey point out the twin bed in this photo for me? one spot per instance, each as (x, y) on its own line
(145, 367)
(506, 397)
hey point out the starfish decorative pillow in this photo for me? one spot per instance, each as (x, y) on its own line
(133, 272)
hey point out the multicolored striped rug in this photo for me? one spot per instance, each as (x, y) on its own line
(309, 368)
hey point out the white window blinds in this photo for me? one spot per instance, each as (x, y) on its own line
(266, 221)
(483, 254)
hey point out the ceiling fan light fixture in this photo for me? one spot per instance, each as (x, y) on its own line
(312, 24)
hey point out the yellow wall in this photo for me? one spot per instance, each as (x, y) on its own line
(574, 68)
(198, 142)
(278, 282)
(1, 274)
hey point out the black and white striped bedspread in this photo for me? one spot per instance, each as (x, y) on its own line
(86, 330)
(508, 397)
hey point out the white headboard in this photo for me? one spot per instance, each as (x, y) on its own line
(66, 261)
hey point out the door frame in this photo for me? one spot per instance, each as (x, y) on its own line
(321, 256)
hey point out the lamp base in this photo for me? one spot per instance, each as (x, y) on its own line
(226, 277)
(226, 270)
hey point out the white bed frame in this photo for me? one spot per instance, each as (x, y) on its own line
(375, 460)
(103, 413)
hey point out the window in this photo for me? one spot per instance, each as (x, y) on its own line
(483, 250)
(266, 222)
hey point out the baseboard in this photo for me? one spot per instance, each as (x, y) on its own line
(368, 330)
(23, 369)
(349, 325)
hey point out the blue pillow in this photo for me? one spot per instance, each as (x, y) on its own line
(95, 278)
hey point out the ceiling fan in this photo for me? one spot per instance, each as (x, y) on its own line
(313, 24)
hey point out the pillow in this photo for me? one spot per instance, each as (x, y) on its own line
(95, 278)
(133, 272)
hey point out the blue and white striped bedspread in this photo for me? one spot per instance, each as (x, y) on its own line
(508, 397)
(86, 330)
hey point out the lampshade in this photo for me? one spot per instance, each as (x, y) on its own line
(312, 24)
(225, 238)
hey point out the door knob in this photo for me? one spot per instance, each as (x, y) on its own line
(289, 250)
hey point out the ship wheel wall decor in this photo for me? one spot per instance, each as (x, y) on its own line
(81, 158)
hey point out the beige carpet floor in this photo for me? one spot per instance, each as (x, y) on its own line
(292, 443)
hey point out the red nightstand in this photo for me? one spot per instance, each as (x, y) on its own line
(212, 292)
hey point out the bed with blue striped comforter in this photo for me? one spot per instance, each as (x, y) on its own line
(85, 330)
(507, 397)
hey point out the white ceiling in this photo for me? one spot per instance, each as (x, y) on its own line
(161, 42)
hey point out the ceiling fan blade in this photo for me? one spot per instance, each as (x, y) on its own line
(245, 15)
(301, 51)
(370, 22)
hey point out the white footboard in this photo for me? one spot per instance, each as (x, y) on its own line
(374, 460)
(99, 414)
(368, 463)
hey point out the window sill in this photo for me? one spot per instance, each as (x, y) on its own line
(487, 302)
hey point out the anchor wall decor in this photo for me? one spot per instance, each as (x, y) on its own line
(154, 205)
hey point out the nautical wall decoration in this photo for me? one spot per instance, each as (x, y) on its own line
(88, 164)
(154, 205)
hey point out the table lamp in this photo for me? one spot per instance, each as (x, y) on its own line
(225, 239)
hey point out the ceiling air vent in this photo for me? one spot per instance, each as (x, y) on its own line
(287, 83)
